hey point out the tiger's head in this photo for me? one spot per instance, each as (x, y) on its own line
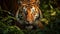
(29, 9)
(29, 13)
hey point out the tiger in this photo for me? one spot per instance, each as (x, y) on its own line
(29, 13)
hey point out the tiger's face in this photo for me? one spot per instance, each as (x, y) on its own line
(30, 11)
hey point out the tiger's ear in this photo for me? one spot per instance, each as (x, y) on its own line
(37, 1)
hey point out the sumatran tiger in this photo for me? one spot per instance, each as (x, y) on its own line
(29, 13)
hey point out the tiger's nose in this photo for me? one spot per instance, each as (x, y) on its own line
(29, 19)
(29, 22)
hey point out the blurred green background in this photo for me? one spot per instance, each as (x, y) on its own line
(51, 20)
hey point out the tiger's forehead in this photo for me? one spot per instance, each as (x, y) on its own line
(31, 8)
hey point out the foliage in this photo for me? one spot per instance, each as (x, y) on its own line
(6, 26)
(51, 20)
